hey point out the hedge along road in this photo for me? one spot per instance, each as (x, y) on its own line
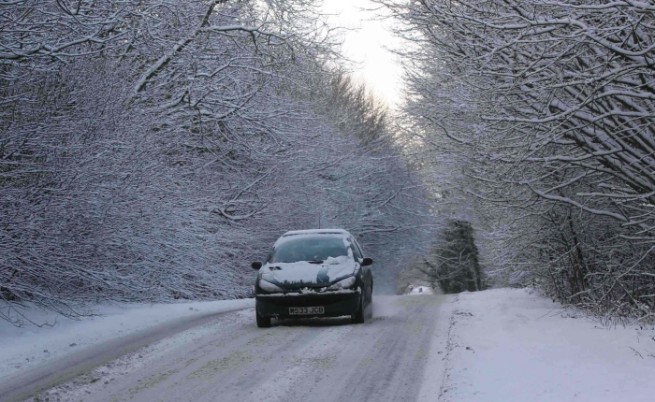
(230, 359)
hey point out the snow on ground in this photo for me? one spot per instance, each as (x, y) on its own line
(30, 345)
(513, 345)
(496, 345)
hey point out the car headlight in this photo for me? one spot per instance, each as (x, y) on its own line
(269, 287)
(345, 283)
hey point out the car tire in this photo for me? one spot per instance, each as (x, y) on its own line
(263, 322)
(369, 309)
(358, 317)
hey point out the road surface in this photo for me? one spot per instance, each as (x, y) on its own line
(230, 359)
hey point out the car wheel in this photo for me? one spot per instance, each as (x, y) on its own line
(369, 306)
(263, 322)
(358, 317)
(369, 309)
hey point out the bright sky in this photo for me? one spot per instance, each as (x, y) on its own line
(366, 45)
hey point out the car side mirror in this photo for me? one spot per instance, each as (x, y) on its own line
(366, 261)
(256, 265)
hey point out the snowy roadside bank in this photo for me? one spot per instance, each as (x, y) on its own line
(29, 346)
(514, 345)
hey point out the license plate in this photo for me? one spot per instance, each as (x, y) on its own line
(306, 310)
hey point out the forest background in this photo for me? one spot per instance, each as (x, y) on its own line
(149, 150)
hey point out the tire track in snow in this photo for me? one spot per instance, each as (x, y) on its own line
(318, 360)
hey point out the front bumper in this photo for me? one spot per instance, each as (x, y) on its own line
(335, 304)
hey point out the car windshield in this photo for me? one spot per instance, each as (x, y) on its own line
(306, 248)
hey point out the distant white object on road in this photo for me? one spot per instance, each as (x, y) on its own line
(420, 290)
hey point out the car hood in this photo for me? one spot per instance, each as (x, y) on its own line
(304, 274)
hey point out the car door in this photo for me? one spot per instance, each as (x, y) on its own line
(367, 275)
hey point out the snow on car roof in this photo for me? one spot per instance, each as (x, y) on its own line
(310, 232)
(317, 231)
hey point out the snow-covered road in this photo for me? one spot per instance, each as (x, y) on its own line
(506, 345)
(230, 359)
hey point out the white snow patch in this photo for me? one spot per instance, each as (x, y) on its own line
(514, 345)
(30, 345)
(305, 272)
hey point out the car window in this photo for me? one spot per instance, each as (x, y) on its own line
(305, 248)
(358, 249)
(357, 252)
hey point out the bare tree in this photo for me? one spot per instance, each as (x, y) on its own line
(150, 149)
(558, 103)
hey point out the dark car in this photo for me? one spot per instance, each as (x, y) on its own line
(314, 273)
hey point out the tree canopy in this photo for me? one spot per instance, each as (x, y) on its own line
(149, 150)
(543, 113)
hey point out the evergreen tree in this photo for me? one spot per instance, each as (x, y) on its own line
(458, 268)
